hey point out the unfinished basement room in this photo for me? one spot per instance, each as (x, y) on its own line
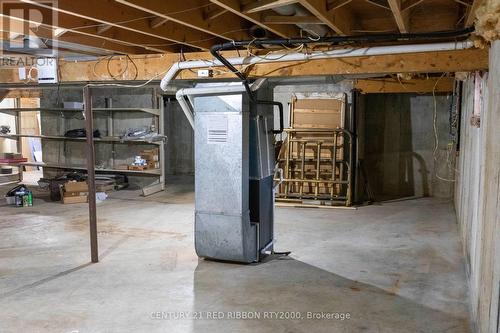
(270, 166)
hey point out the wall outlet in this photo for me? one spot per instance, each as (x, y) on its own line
(47, 72)
(205, 73)
(22, 73)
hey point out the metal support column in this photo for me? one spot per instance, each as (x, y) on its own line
(89, 127)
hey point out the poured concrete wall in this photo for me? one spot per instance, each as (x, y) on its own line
(398, 145)
(477, 197)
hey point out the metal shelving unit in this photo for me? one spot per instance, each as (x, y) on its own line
(103, 139)
(155, 112)
(150, 172)
(159, 122)
(17, 175)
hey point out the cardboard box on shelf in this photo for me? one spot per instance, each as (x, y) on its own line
(153, 165)
(137, 167)
(154, 151)
(11, 156)
(151, 155)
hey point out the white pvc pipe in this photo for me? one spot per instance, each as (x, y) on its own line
(339, 53)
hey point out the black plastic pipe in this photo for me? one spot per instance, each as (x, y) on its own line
(387, 37)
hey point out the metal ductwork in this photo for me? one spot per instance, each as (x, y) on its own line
(297, 10)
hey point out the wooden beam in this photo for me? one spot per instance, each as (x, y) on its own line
(471, 13)
(103, 28)
(20, 93)
(402, 19)
(234, 7)
(465, 3)
(212, 15)
(337, 4)
(156, 22)
(379, 3)
(90, 29)
(408, 4)
(278, 19)
(99, 43)
(131, 19)
(77, 38)
(258, 6)
(377, 86)
(150, 66)
(338, 20)
(231, 28)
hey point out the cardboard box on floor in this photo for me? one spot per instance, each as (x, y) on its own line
(74, 192)
(76, 187)
(74, 200)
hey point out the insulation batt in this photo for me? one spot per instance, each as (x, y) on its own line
(487, 23)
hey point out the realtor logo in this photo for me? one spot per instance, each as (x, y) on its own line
(29, 28)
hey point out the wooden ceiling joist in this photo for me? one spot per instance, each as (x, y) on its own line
(429, 62)
(103, 28)
(234, 6)
(188, 13)
(408, 4)
(145, 26)
(279, 19)
(402, 18)
(337, 4)
(213, 14)
(127, 18)
(87, 28)
(379, 3)
(83, 38)
(471, 13)
(338, 20)
(258, 6)
(156, 22)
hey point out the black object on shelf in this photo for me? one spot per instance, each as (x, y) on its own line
(80, 133)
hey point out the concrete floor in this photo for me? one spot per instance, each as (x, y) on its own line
(395, 267)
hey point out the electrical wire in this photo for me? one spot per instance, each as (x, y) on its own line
(436, 138)
(126, 85)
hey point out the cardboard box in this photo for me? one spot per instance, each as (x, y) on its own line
(76, 187)
(73, 197)
(153, 165)
(73, 200)
(137, 167)
(154, 151)
(151, 155)
(73, 194)
(11, 156)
